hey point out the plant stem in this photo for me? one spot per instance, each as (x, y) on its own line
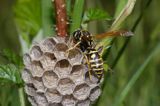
(125, 43)
(77, 15)
(123, 14)
(121, 50)
(61, 17)
(127, 10)
(21, 96)
(128, 39)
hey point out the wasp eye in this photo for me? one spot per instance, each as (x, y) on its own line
(74, 33)
(77, 35)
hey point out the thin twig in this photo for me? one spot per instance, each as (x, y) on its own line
(61, 17)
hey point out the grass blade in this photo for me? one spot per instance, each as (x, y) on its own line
(119, 6)
(123, 14)
(126, 11)
(47, 18)
(130, 84)
(77, 14)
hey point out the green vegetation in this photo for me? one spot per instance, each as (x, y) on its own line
(135, 61)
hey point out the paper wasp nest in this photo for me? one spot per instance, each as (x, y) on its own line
(54, 77)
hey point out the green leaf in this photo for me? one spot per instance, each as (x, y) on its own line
(11, 57)
(28, 18)
(10, 73)
(95, 14)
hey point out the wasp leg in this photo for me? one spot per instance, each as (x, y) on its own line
(89, 68)
(73, 46)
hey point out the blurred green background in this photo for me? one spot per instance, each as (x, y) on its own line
(135, 61)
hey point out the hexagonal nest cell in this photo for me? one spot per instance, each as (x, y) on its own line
(63, 68)
(35, 52)
(66, 86)
(50, 79)
(27, 60)
(81, 92)
(74, 55)
(60, 50)
(69, 100)
(48, 61)
(53, 96)
(48, 45)
(54, 76)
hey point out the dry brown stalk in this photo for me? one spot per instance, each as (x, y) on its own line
(61, 17)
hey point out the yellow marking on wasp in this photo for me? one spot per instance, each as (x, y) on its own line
(97, 69)
(91, 52)
(99, 73)
(98, 76)
(92, 61)
(96, 65)
(93, 56)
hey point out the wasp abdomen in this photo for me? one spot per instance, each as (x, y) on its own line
(96, 63)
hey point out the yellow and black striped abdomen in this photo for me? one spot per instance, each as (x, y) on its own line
(96, 63)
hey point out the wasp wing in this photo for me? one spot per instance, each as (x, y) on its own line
(124, 33)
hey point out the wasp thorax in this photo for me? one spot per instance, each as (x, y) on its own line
(82, 35)
(54, 77)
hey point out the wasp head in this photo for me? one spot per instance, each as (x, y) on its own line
(82, 36)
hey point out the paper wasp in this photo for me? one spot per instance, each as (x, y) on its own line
(84, 40)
